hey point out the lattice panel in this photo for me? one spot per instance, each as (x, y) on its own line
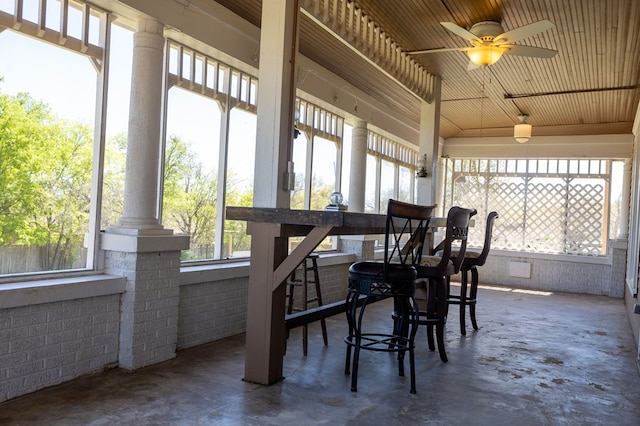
(542, 214)
(584, 219)
(544, 205)
(546, 211)
(472, 193)
(507, 197)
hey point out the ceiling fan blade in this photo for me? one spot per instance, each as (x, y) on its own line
(523, 32)
(457, 49)
(535, 52)
(459, 31)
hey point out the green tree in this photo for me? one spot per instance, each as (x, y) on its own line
(237, 195)
(45, 173)
(21, 125)
(60, 223)
(190, 194)
(320, 193)
(113, 179)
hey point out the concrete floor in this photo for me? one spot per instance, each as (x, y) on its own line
(538, 359)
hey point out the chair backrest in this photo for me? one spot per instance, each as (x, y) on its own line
(406, 228)
(457, 231)
(488, 233)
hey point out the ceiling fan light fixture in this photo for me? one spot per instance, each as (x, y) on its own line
(485, 55)
(522, 131)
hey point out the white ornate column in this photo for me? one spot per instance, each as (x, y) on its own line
(145, 124)
(361, 245)
(139, 248)
(357, 177)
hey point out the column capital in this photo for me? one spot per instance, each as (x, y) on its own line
(148, 25)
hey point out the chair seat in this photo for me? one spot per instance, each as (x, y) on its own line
(470, 257)
(429, 266)
(469, 253)
(367, 277)
(374, 270)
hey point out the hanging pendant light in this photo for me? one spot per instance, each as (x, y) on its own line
(522, 131)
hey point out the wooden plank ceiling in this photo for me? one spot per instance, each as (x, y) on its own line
(590, 87)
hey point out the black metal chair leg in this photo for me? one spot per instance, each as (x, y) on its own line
(473, 295)
(430, 341)
(350, 306)
(354, 369)
(440, 339)
(358, 343)
(463, 301)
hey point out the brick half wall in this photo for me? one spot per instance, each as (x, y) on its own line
(51, 343)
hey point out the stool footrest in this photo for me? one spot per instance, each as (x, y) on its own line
(380, 342)
(320, 312)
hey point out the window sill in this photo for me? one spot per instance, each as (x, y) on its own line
(599, 260)
(27, 293)
(196, 274)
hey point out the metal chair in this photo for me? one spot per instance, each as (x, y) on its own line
(433, 277)
(406, 228)
(471, 260)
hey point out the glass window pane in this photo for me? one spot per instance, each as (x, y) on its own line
(191, 170)
(387, 178)
(370, 186)
(240, 167)
(117, 123)
(300, 169)
(46, 135)
(617, 183)
(323, 172)
(404, 184)
(346, 162)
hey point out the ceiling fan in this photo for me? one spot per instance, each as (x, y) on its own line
(489, 42)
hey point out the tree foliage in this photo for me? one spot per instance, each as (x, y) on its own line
(46, 177)
(190, 194)
(45, 173)
(113, 180)
(21, 135)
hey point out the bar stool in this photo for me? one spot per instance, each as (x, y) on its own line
(406, 228)
(433, 277)
(309, 264)
(472, 259)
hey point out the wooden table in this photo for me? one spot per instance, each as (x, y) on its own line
(271, 265)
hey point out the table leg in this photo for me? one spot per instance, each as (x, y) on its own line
(266, 304)
(266, 331)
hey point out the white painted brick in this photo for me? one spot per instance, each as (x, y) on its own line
(26, 344)
(24, 369)
(44, 352)
(13, 358)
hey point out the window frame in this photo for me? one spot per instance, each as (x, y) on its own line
(99, 57)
